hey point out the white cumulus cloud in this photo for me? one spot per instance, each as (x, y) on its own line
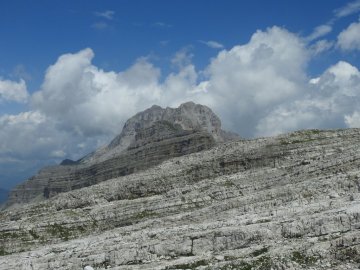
(353, 120)
(85, 100)
(257, 88)
(349, 39)
(20, 134)
(331, 103)
(13, 91)
(248, 80)
(88, 101)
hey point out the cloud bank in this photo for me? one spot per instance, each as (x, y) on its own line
(259, 88)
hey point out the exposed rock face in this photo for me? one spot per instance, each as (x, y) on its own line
(156, 123)
(288, 202)
(147, 139)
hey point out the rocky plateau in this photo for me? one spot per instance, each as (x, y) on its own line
(215, 202)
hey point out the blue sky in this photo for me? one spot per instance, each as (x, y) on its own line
(36, 33)
(72, 72)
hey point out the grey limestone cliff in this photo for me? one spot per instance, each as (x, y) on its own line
(286, 202)
(147, 139)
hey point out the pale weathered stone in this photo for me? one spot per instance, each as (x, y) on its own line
(147, 139)
(286, 202)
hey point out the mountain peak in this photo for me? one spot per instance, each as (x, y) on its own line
(189, 116)
(147, 139)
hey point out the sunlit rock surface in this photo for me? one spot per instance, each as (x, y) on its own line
(147, 139)
(287, 202)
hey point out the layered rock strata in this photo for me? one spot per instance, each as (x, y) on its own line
(288, 202)
(147, 139)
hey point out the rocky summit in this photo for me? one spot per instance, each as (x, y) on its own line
(285, 202)
(147, 139)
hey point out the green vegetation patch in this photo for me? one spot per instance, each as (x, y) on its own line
(303, 259)
(192, 265)
(237, 266)
(302, 137)
(262, 263)
(34, 234)
(259, 252)
(145, 214)
(348, 254)
(58, 230)
(3, 251)
(12, 235)
(229, 183)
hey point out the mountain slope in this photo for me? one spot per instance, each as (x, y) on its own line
(188, 117)
(288, 202)
(147, 139)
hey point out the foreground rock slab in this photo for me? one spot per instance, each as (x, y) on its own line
(287, 202)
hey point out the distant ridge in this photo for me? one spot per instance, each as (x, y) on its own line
(147, 139)
(68, 162)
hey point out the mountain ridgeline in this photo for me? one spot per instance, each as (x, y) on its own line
(180, 193)
(147, 139)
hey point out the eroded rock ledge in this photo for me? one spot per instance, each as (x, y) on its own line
(147, 139)
(288, 202)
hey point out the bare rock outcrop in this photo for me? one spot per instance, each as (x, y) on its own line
(286, 202)
(147, 139)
